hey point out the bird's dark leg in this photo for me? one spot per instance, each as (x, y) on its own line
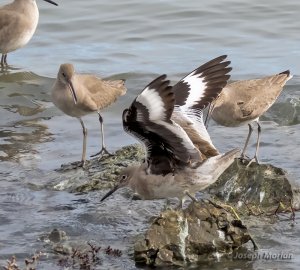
(190, 195)
(243, 156)
(255, 158)
(3, 60)
(84, 131)
(103, 149)
(83, 157)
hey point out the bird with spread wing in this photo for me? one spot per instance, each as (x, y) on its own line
(180, 156)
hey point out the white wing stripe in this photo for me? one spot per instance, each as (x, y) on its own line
(197, 87)
(152, 101)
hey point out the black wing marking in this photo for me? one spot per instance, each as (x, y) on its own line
(203, 85)
(148, 119)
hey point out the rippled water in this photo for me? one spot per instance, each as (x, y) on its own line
(135, 40)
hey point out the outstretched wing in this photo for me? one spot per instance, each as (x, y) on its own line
(149, 120)
(193, 93)
(197, 89)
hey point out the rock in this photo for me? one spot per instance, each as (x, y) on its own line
(55, 236)
(97, 174)
(203, 230)
(260, 189)
(57, 241)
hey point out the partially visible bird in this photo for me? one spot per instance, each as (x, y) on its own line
(18, 22)
(243, 102)
(80, 94)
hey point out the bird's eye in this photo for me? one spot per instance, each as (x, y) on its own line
(124, 177)
(64, 74)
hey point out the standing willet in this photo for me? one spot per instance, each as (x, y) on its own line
(243, 102)
(18, 21)
(80, 94)
(173, 166)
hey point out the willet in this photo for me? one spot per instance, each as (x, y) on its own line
(173, 165)
(18, 21)
(80, 94)
(243, 102)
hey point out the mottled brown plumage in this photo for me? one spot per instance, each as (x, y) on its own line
(243, 102)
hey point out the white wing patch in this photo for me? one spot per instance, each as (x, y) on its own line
(153, 102)
(197, 87)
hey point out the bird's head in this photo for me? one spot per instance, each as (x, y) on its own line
(65, 75)
(124, 179)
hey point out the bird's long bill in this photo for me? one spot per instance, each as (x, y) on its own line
(51, 2)
(73, 93)
(110, 192)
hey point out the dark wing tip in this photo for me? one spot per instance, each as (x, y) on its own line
(158, 81)
(215, 74)
(162, 86)
(287, 72)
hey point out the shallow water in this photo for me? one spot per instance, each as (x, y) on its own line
(135, 40)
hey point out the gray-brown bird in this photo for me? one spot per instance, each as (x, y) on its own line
(80, 94)
(243, 102)
(174, 166)
(18, 22)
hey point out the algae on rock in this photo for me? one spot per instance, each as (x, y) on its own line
(201, 231)
(258, 189)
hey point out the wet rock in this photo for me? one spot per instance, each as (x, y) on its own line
(57, 235)
(98, 173)
(260, 189)
(201, 231)
(57, 241)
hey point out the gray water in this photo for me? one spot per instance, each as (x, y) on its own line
(135, 40)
